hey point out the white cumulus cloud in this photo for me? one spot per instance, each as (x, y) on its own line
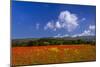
(60, 36)
(92, 27)
(90, 31)
(69, 20)
(86, 33)
(50, 25)
(58, 25)
(66, 20)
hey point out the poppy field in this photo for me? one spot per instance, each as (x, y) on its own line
(52, 54)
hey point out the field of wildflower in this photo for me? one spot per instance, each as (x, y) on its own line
(52, 54)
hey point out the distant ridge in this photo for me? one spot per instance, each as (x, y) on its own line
(86, 38)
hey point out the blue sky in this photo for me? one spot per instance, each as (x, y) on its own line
(35, 20)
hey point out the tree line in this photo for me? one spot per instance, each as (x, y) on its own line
(46, 42)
